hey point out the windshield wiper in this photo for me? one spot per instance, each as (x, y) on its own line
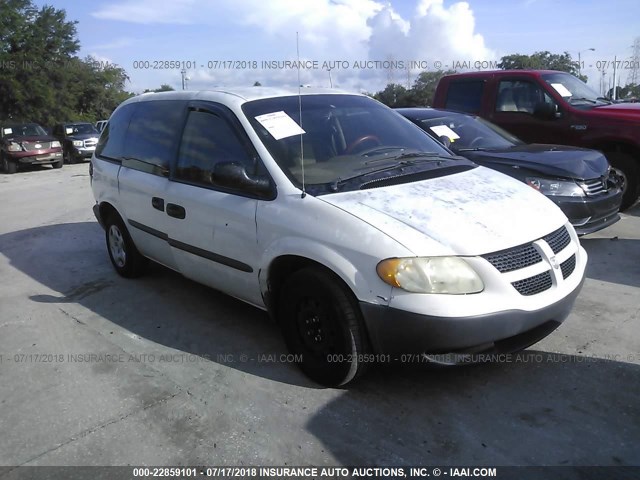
(398, 162)
(584, 99)
(472, 149)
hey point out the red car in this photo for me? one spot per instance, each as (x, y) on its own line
(28, 144)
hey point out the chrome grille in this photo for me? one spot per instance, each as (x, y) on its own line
(594, 186)
(568, 266)
(558, 240)
(514, 258)
(90, 142)
(31, 146)
(533, 285)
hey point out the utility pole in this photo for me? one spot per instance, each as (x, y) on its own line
(613, 95)
(634, 73)
(183, 74)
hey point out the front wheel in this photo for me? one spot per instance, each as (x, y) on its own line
(322, 326)
(57, 164)
(124, 255)
(628, 167)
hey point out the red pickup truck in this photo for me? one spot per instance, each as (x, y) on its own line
(546, 106)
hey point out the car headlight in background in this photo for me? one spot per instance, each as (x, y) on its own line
(14, 147)
(448, 275)
(547, 186)
(55, 144)
(78, 143)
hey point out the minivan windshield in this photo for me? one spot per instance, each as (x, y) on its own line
(573, 90)
(345, 136)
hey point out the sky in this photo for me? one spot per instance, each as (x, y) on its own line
(358, 45)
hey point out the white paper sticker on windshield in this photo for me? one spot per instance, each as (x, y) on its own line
(562, 90)
(280, 125)
(441, 130)
(68, 130)
(7, 131)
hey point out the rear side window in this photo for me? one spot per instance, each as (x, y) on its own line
(111, 143)
(465, 96)
(154, 132)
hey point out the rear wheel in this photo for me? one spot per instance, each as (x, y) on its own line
(630, 171)
(124, 255)
(322, 325)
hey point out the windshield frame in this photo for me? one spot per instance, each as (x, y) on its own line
(331, 116)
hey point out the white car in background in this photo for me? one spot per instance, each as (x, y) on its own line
(362, 236)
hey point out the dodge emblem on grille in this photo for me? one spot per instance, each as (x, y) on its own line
(37, 145)
(554, 262)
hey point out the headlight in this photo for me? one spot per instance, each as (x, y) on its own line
(555, 187)
(78, 143)
(14, 147)
(450, 275)
(55, 144)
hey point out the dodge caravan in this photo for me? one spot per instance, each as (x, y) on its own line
(365, 239)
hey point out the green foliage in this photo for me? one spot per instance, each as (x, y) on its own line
(163, 88)
(41, 78)
(629, 91)
(542, 61)
(419, 95)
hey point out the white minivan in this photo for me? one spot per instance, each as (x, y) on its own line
(362, 236)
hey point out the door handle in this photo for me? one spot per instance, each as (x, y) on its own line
(176, 211)
(157, 203)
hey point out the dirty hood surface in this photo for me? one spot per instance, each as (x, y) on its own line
(469, 213)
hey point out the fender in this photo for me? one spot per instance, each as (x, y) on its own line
(375, 291)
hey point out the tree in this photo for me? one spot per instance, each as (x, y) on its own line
(420, 94)
(424, 87)
(257, 84)
(163, 88)
(41, 78)
(394, 96)
(541, 61)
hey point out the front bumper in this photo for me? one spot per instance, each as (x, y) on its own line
(82, 153)
(396, 331)
(590, 214)
(37, 159)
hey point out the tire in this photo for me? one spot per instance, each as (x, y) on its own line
(68, 158)
(630, 169)
(57, 164)
(125, 257)
(321, 322)
(10, 167)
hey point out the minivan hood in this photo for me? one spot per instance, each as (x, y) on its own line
(469, 213)
(553, 160)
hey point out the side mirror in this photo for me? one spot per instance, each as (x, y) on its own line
(234, 175)
(546, 111)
